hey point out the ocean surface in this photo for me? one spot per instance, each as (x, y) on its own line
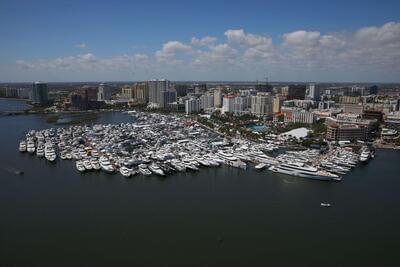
(55, 216)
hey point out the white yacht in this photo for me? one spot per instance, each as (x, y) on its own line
(302, 170)
(22, 146)
(80, 166)
(144, 170)
(230, 160)
(126, 172)
(364, 157)
(260, 166)
(40, 151)
(95, 164)
(156, 170)
(106, 164)
(50, 153)
(31, 147)
(88, 164)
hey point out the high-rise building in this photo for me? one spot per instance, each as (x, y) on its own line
(207, 102)
(261, 104)
(127, 92)
(277, 102)
(141, 92)
(40, 94)
(85, 98)
(314, 92)
(104, 92)
(200, 88)
(181, 89)
(192, 105)
(294, 91)
(155, 89)
(218, 98)
(167, 97)
(228, 104)
(241, 104)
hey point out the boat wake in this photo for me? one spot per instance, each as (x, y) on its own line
(289, 182)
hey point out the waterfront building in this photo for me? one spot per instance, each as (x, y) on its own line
(104, 92)
(24, 92)
(127, 92)
(192, 105)
(40, 93)
(261, 104)
(155, 88)
(166, 97)
(141, 92)
(207, 102)
(11, 92)
(228, 104)
(346, 132)
(85, 98)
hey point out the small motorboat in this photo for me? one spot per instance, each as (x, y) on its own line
(325, 204)
(260, 166)
(80, 166)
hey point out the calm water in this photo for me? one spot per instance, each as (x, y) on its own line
(55, 216)
(12, 105)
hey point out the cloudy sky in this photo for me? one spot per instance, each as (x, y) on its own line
(206, 40)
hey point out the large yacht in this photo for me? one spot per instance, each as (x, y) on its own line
(156, 170)
(31, 147)
(106, 164)
(80, 166)
(302, 170)
(50, 153)
(144, 170)
(22, 146)
(364, 157)
(230, 160)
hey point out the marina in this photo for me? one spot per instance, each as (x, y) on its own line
(95, 213)
(163, 144)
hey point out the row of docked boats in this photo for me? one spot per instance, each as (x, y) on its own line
(155, 144)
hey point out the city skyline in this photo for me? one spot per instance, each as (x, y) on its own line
(99, 42)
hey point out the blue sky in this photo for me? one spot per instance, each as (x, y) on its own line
(124, 40)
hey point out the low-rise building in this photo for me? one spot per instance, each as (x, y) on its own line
(346, 132)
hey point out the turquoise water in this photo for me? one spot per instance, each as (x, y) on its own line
(258, 128)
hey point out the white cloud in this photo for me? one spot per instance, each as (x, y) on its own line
(388, 34)
(205, 41)
(170, 50)
(81, 45)
(301, 38)
(362, 51)
(239, 36)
